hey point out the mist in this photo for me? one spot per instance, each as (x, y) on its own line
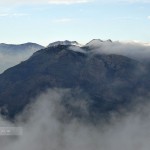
(10, 58)
(44, 130)
(45, 121)
(7, 60)
(134, 50)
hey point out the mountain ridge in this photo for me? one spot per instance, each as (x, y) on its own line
(19, 47)
(66, 42)
(110, 81)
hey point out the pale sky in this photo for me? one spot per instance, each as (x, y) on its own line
(45, 21)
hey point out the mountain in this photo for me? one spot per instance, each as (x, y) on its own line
(54, 44)
(107, 83)
(96, 43)
(12, 48)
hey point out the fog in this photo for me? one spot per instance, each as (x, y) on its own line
(134, 50)
(8, 60)
(46, 126)
(43, 130)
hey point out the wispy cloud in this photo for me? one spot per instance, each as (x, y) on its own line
(68, 2)
(56, 2)
(124, 1)
(137, 1)
(13, 14)
(148, 17)
(132, 1)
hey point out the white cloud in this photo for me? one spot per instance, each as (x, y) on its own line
(68, 1)
(13, 14)
(148, 17)
(19, 14)
(129, 1)
(137, 1)
(133, 49)
(44, 131)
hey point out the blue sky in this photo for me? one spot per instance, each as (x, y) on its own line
(45, 21)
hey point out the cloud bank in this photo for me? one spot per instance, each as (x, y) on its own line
(9, 59)
(134, 50)
(42, 130)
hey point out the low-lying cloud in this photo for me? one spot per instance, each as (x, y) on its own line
(8, 60)
(42, 130)
(45, 128)
(11, 55)
(134, 50)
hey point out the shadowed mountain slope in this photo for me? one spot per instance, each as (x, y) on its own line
(109, 83)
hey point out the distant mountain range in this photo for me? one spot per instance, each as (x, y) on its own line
(12, 48)
(11, 54)
(112, 83)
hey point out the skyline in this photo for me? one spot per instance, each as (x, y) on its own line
(43, 21)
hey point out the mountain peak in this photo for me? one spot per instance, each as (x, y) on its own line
(96, 42)
(109, 40)
(66, 42)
